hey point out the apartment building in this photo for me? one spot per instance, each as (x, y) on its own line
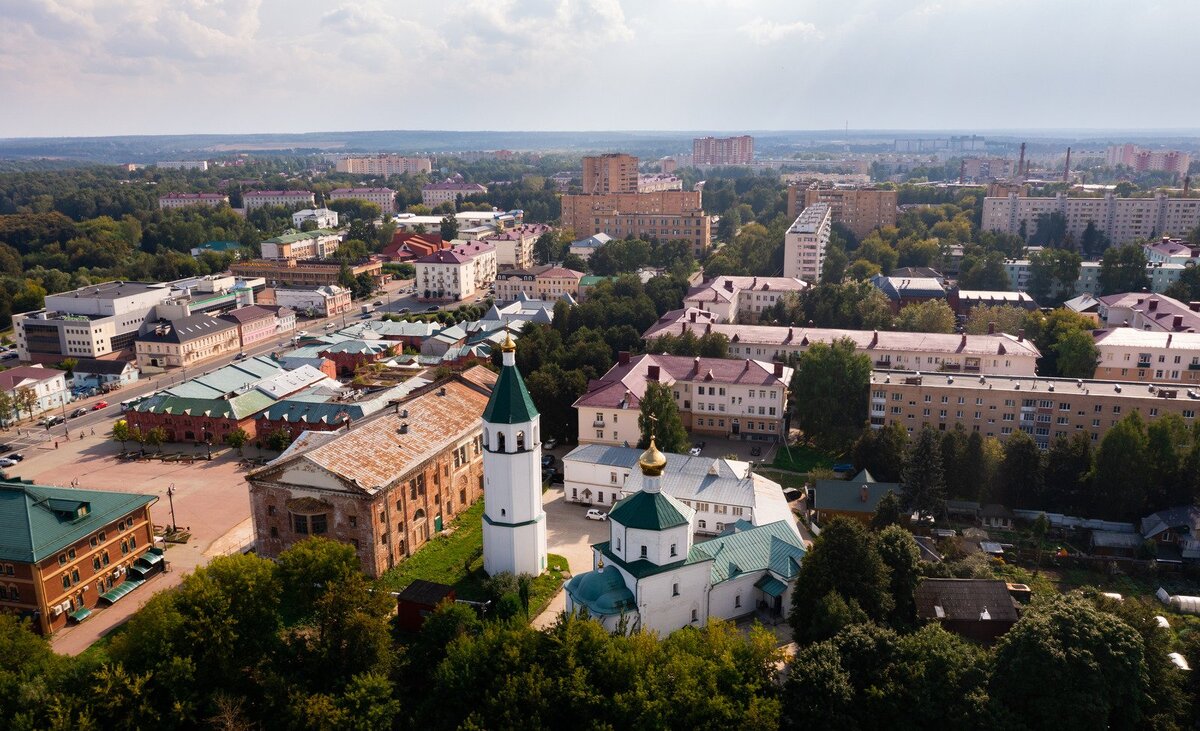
(183, 200)
(741, 299)
(1128, 354)
(860, 209)
(1141, 159)
(996, 406)
(182, 164)
(186, 342)
(322, 217)
(89, 322)
(994, 354)
(327, 301)
(719, 397)
(805, 241)
(456, 273)
(68, 552)
(723, 150)
(1123, 220)
(665, 215)
(48, 387)
(387, 486)
(986, 169)
(514, 246)
(383, 165)
(385, 198)
(252, 199)
(258, 323)
(611, 173)
(318, 244)
(303, 273)
(545, 282)
(495, 219)
(658, 182)
(449, 191)
(1162, 274)
(1151, 312)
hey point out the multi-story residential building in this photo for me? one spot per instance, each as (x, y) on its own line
(385, 198)
(805, 241)
(68, 552)
(666, 215)
(545, 282)
(1171, 251)
(1162, 274)
(182, 164)
(319, 244)
(387, 486)
(514, 246)
(304, 273)
(1128, 354)
(322, 217)
(258, 323)
(723, 150)
(611, 173)
(183, 200)
(496, 219)
(658, 182)
(327, 301)
(994, 354)
(862, 210)
(996, 406)
(1122, 220)
(741, 299)
(89, 322)
(1153, 312)
(46, 389)
(252, 199)
(986, 169)
(383, 165)
(457, 273)
(1143, 160)
(449, 191)
(186, 342)
(720, 397)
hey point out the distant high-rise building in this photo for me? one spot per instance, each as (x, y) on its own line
(611, 173)
(1143, 160)
(382, 165)
(1122, 220)
(861, 210)
(723, 150)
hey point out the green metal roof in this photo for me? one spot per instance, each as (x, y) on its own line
(37, 522)
(602, 592)
(510, 402)
(81, 614)
(238, 407)
(120, 590)
(770, 585)
(642, 568)
(774, 547)
(649, 511)
(301, 236)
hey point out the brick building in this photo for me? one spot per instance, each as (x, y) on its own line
(861, 210)
(723, 150)
(665, 215)
(304, 273)
(386, 486)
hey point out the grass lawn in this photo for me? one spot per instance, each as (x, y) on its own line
(800, 458)
(786, 479)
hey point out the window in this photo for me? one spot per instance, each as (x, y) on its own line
(274, 532)
(612, 477)
(694, 615)
(674, 589)
(66, 581)
(353, 521)
(674, 551)
(702, 524)
(643, 554)
(618, 544)
(737, 600)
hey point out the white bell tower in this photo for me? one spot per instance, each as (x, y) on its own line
(514, 524)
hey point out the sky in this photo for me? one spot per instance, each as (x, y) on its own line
(116, 67)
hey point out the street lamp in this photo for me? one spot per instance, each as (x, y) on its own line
(171, 500)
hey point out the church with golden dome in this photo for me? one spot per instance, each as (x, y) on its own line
(653, 575)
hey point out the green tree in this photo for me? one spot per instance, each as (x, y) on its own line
(237, 439)
(449, 227)
(834, 268)
(1123, 269)
(154, 437)
(554, 390)
(659, 417)
(1021, 472)
(1050, 230)
(931, 316)
(843, 560)
(121, 432)
(25, 399)
(922, 477)
(1076, 354)
(1046, 330)
(901, 555)
(1119, 477)
(7, 408)
(881, 451)
(1067, 465)
(279, 440)
(1093, 242)
(309, 567)
(829, 394)
(984, 271)
(887, 512)
(1000, 318)
(1053, 274)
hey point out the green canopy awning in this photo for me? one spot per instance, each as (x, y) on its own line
(771, 586)
(150, 558)
(80, 614)
(120, 590)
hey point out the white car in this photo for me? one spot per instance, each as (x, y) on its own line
(301, 333)
(595, 514)
(6, 462)
(694, 451)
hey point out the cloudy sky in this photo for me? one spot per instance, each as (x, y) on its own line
(106, 67)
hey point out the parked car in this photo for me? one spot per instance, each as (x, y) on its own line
(9, 355)
(695, 451)
(301, 333)
(330, 326)
(16, 456)
(50, 421)
(548, 460)
(431, 308)
(594, 514)
(378, 303)
(550, 444)
(99, 405)
(6, 462)
(403, 311)
(5, 446)
(78, 412)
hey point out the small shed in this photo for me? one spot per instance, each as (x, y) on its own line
(418, 600)
(978, 609)
(1112, 543)
(996, 516)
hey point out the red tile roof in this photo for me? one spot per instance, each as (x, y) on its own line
(627, 383)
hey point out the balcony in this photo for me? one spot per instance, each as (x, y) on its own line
(598, 424)
(971, 368)
(954, 367)
(883, 363)
(1143, 364)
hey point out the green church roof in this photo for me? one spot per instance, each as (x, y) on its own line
(37, 521)
(510, 402)
(648, 511)
(602, 592)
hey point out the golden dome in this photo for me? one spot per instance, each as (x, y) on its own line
(508, 346)
(652, 461)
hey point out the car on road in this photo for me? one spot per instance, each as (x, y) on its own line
(550, 444)
(403, 311)
(431, 308)
(240, 356)
(378, 303)
(695, 451)
(9, 356)
(78, 412)
(330, 326)
(548, 460)
(302, 333)
(16, 457)
(99, 405)
(594, 514)
(6, 462)
(5, 446)
(50, 421)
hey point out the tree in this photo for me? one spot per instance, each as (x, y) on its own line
(279, 439)
(1037, 533)
(1046, 330)
(1093, 242)
(7, 405)
(924, 484)
(1050, 229)
(1168, 442)
(834, 268)
(1000, 318)
(1119, 477)
(931, 316)
(1066, 477)
(1053, 274)
(984, 271)
(1021, 476)
(887, 512)
(154, 437)
(1123, 269)
(843, 560)
(69, 365)
(25, 399)
(901, 555)
(881, 451)
(122, 432)
(553, 390)
(829, 394)
(1076, 354)
(237, 439)
(659, 417)
(309, 567)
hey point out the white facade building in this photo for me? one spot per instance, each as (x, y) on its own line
(47, 386)
(183, 200)
(88, 322)
(1123, 220)
(318, 244)
(734, 299)
(514, 523)
(804, 243)
(252, 199)
(449, 190)
(322, 217)
(383, 165)
(456, 273)
(328, 301)
(182, 164)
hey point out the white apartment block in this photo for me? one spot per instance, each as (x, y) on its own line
(322, 217)
(183, 200)
(514, 246)
(457, 273)
(1123, 220)
(252, 199)
(182, 164)
(658, 182)
(385, 198)
(1161, 275)
(804, 243)
(327, 301)
(318, 244)
(741, 299)
(1129, 354)
(383, 165)
(48, 385)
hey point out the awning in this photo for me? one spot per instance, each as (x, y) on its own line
(771, 586)
(139, 571)
(80, 614)
(120, 590)
(150, 558)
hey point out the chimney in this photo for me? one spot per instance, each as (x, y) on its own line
(1021, 162)
(403, 428)
(623, 357)
(1067, 167)
(864, 494)
(1171, 335)
(1175, 325)
(874, 339)
(729, 284)
(692, 315)
(963, 343)
(779, 370)
(1194, 306)
(991, 328)
(1021, 335)
(1152, 305)
(708, 328)
(652, 373)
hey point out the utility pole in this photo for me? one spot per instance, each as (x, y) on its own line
(171, 501)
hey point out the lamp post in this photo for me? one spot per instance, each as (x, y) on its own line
(171, 500)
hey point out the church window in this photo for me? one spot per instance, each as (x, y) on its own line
(720, 526)
(674, 551)
(674, 589)
(643, 551)
(574, 493)
(499, 442)
(612, 477)
(694, 617)
(600, 497)
(737, 600)
(520, 441)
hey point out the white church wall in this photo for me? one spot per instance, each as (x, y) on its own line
(663, 610)
(723, 600)
(658, 544)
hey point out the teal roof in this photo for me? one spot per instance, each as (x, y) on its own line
(37, 521)
(848, 495)
(301, 236)
(602, 592)
(238, 407)
(774, 547)
(649, 511)
(592, 280)
(770, 585)
(642, 568)
(510, 402)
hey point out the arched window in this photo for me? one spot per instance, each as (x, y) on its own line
(419, 515)
(673, 551)
(520, 441)
(500, 441)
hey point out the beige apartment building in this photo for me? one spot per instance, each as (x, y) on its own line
(514, 245)
(996, 406)
(384, 165)
(319, 244)
(287, 198)
(297, 273)
(664, 215)
(184, 200)
(186, 342)
(385, 198)
(1128, 354)
(862, 210)
(723, 150)
(741, 299)
(547, 283)
(612, 173)
(996, 354)
(457, 273)
(1123, 220)
(805, 241)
